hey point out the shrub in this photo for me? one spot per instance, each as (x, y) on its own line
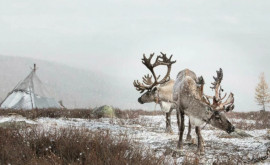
(261, 120)
(69, 146)
(76, 113)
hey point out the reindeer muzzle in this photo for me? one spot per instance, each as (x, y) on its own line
(231, 129)
(140, 100)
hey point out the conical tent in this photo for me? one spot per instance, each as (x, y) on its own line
(29, 94)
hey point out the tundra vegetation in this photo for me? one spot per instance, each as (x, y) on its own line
(69, 146)
(77, 142)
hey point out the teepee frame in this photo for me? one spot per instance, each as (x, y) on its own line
(26, 90)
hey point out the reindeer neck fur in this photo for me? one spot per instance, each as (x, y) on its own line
(164, 95)
(188, 97)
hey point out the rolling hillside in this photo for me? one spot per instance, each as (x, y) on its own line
(77, 88)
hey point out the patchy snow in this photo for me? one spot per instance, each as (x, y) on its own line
(245, 121)
(149, 131)
(15, 119)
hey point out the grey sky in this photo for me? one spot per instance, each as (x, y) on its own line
(111, 35)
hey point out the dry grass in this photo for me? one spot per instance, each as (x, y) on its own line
(261, 120)
(76, 113)
(51, 113)
(77, 146)
(191, 159)
(249, 115)
(69, 146)
(131, 114)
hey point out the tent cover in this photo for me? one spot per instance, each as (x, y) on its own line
(29, 94)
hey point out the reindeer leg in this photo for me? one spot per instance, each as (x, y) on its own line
(168, 122)
(200, 150)
(178, 121)
(189, 131)
(202, 143)
(182, 128)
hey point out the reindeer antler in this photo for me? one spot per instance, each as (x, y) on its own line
(139, 86)
(217, 104)
(228, 105)
(216, 84)
(147, 80)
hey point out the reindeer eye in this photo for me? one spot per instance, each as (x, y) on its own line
(208, 109)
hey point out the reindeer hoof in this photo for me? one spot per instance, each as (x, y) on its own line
(169, 131)
(180, 147)
(188, 139)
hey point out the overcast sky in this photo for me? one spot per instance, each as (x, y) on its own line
(110, 36)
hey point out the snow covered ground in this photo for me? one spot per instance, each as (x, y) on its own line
(149, 131)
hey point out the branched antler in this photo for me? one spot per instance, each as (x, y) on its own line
(139, 86)
(217, 104)
(216, 84)
(147, 80)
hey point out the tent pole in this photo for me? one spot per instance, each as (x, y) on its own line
(35, 67)
(32, 86)
(31, 90)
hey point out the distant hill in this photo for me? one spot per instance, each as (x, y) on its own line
(77, 88)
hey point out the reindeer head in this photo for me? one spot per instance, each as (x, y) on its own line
(217, 107)
(220, 121)
(149, 96)
(148, 85)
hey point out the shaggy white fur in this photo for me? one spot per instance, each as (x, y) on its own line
(165, 106)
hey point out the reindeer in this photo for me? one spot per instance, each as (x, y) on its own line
(159, 92)
(191, 101)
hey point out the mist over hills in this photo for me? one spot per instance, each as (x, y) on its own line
(77, 88)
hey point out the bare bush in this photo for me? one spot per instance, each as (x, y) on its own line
(135, 113)
(261, 120)
(52, 113)
(69, 146)
(76, 113)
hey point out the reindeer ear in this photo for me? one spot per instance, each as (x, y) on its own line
(209, 110)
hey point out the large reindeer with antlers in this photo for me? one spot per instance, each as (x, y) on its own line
(190, 100)
(159, 92)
